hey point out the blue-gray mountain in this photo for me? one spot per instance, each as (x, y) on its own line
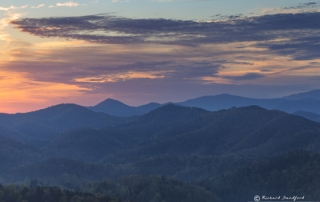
(117, 108)
(307, 101)
(308, 115)
(36, 128)
(314, 94)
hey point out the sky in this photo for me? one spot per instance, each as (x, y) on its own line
(141, 51)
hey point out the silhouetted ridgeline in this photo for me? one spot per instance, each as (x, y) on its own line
(308, 101)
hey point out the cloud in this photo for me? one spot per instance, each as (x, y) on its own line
(4, 22)
(117, 1)
(300, 8)
(300, 48)
(39, 6)
(55, 71)
(303, 6)
(12, 8)
(117, 30)
(66, 4)
(91, 66)
(247, 76)
(162, 1)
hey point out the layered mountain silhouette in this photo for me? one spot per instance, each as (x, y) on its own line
(226, 101)
(245, 144)
(307, 101)
(314, 94)
(184, 143)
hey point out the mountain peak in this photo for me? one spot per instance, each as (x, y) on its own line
(56, 109)
(111, 101)
(117, 108)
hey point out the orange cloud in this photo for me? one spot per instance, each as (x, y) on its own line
(120, 77)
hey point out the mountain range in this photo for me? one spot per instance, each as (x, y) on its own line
(307, 102)
(229, 140)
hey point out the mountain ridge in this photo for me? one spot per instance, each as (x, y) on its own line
(313, 94)
(40, 126)
(306, 101)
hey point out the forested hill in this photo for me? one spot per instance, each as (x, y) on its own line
(69, 116)
(249, 131)
(293, 174)
(93, 144)
(38, 127)
(13, 153)
(174, 130)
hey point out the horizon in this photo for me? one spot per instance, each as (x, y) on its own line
(137, 52)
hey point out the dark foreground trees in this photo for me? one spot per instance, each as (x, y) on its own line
(16, 193)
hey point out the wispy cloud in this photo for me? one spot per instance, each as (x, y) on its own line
(39, 6)
(117, 1)
(247, 76)
(66, 4)
(6, 21)
(162, 1)
(301, 8)
(12, 8)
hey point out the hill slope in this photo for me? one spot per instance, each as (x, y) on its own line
(92, 145)
(13, 153)
(174, 130)
(292, 174)
(308, 115)
(38, 127)
(249, 131)
(84, 144)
